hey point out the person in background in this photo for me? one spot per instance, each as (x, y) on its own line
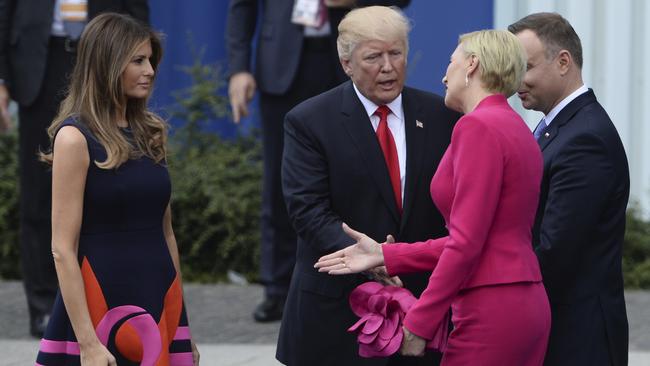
(487, 189)
(580, 224)
(360, 153)
(121, 298)
(38, 41)
(295, 59)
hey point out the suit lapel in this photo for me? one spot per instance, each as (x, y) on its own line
(565, 115)
(414, 129)
(358, 126)
(548, 135)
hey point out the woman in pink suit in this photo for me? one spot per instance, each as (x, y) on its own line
(487, 188)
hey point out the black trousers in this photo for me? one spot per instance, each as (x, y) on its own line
(39, 276)
(318, 71)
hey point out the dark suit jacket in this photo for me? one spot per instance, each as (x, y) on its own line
(280, 42)
(25, 27)
(333, 171)
(578, 235)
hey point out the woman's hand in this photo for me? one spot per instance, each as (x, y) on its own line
(195, 354)
(380, 274)
(96, 355)
(361, 256)
(412, 345)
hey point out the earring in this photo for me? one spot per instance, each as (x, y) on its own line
(466, 79)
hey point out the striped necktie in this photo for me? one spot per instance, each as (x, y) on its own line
(539, 130)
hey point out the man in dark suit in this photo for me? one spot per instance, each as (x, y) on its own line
(37, 52)
(337, 169)
(295, 60)
(578, 233)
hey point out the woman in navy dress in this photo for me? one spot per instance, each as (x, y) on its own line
(120, 299)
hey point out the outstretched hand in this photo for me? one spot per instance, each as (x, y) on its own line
(380, 274)
(363, 255)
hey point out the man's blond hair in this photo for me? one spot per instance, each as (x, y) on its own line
(371, 23)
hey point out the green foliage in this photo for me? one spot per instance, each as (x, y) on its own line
(636, 251)
(217, 184)
(201, 102)
(215, 205)
(9, 248)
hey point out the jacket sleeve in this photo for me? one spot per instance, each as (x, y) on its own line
(6, 13)
(580, 185)
(139, 9)
(402, 258)
(305, 183)
(240, 29)
(477, 161)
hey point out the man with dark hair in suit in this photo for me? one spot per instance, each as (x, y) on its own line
(580, 224)
(295, 59)
(362, 153)
(37, 52)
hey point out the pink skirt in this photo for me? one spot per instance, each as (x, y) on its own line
(499, 325)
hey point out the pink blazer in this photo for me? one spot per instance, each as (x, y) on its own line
(487, 188)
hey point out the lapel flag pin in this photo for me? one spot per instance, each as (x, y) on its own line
(419, 124)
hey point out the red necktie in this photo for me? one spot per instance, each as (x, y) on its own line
(387, 144)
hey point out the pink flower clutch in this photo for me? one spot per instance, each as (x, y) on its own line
(382, 310)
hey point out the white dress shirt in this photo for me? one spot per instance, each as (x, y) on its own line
(554, 112)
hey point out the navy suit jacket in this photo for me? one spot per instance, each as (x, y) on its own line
(578, 235)
(280, 41)
(334, 171)
(25, 27)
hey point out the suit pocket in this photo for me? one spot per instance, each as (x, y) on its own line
(325, 285)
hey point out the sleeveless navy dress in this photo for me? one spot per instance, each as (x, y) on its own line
(132, 288)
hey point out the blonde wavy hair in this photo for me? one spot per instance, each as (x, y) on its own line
(502, 59)
(96, 96)
(371, 23)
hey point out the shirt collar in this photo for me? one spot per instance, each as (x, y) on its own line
(554, 112)
(370, 107)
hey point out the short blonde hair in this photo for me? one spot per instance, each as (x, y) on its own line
(369, 24)
(502, 59)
